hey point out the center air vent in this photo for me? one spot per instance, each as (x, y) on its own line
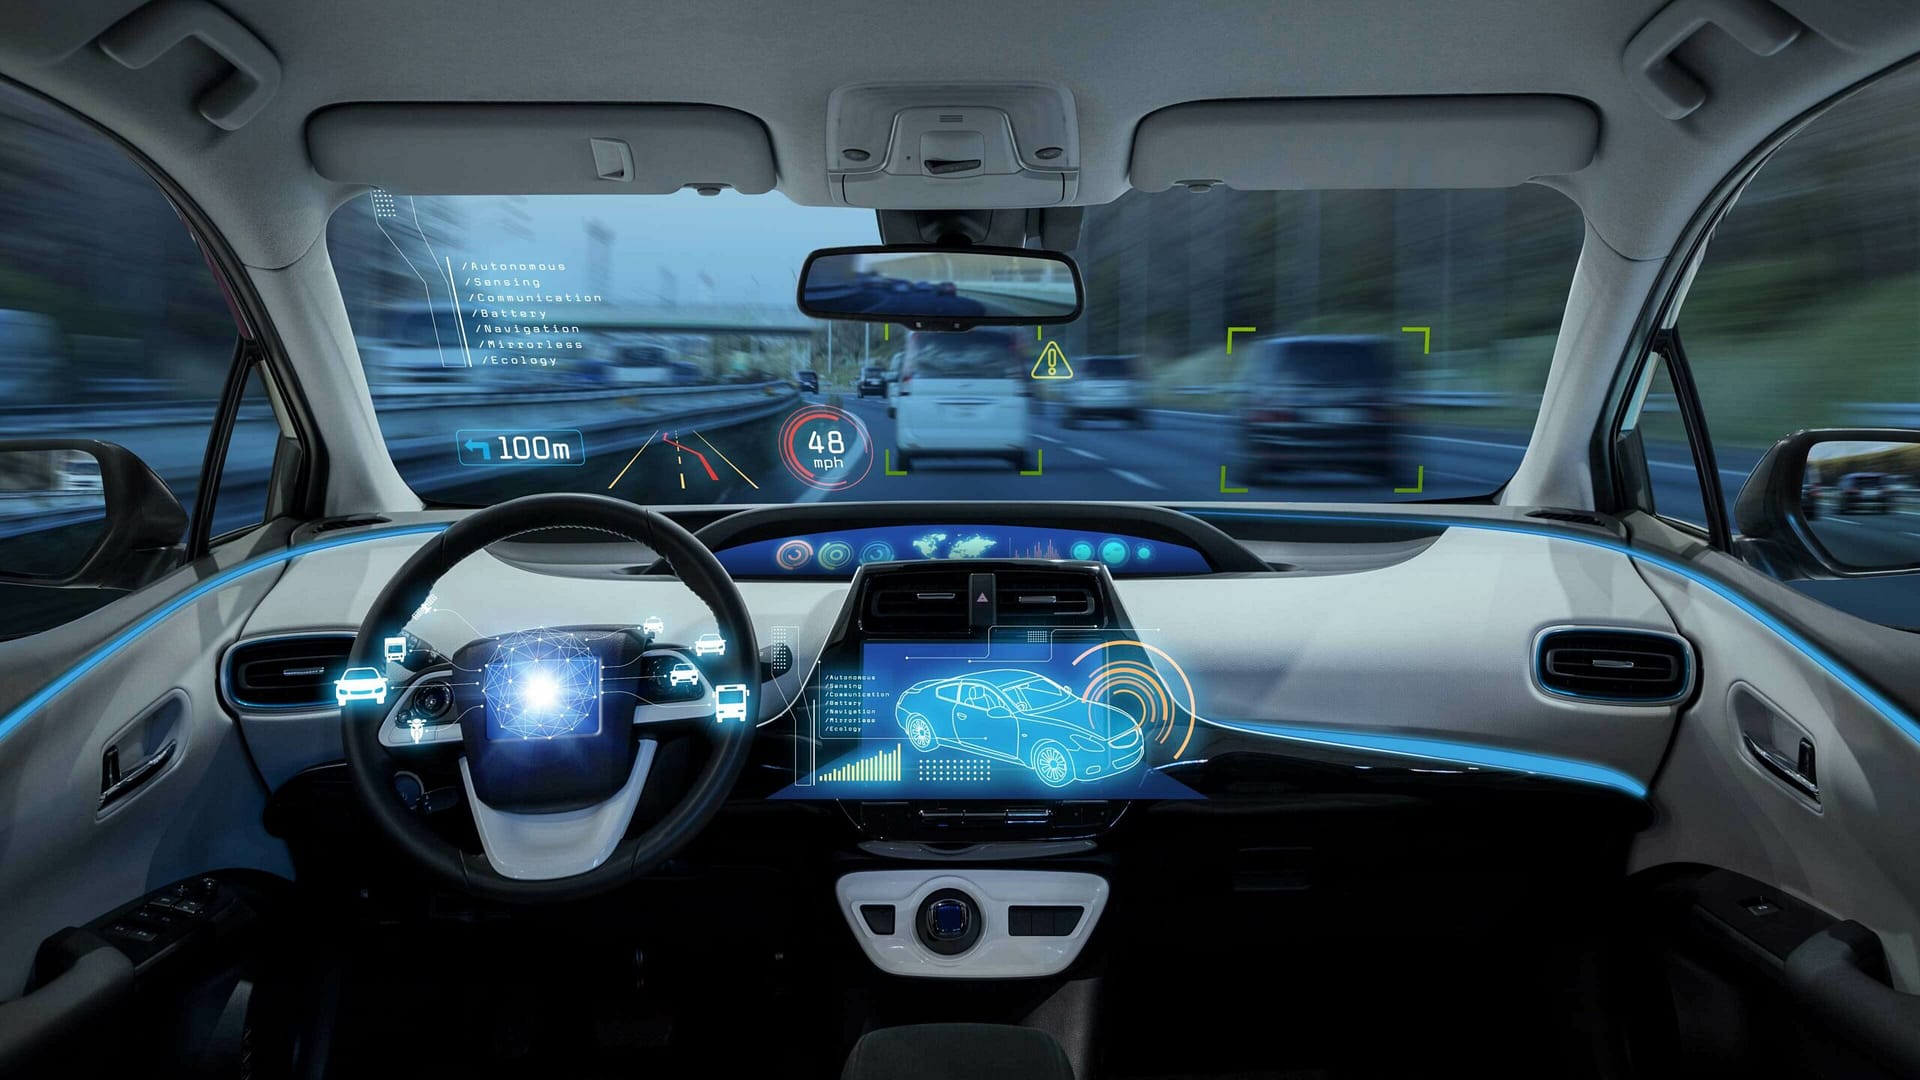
(1027, 597)
(293, 672)
(1641, 667)
(915, 603)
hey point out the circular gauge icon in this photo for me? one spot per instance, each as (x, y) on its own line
(826, 448)
(1082, 550)
(793, 554)
(835, 554)
(1143, 553)
(876, 551)
(1113, 551)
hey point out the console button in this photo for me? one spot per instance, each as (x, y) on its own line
(948, 922)
(1043, 920)
(879, 918)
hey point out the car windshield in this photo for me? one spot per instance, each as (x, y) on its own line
(1350, 346)
(1109, 367)
(1038, 695)
(1329, 361)
(978, 354)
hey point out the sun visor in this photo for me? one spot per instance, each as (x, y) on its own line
(1332, 143)
(465, 149)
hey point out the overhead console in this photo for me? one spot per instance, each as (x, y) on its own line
(943, 145)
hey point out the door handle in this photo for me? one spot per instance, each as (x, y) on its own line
(117, 784)
(1798, 773)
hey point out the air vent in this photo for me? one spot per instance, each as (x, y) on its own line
(916, 603)
(1577, 517)
(1637, 666)
(293, 672)
(1023, 598)
(363, 521)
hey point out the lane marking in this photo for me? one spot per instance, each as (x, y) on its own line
(634, 458)
(1088, 454)
(728, 460)
(704, 463)
(1136, 478)
(1051, 439)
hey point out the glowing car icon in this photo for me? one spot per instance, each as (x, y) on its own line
(1023, 718)
(683, 675)
(359, 684)
(709, 645)
(654, 626)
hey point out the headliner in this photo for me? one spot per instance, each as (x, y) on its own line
(779, 61)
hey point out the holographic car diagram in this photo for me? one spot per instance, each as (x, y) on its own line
(1023, 718)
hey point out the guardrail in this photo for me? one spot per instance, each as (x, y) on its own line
(73, 418)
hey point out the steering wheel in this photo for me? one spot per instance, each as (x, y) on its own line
(560, 834)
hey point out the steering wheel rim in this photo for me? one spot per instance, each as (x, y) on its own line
(373, 768)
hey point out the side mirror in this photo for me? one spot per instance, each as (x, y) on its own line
(80, 513)
(1836, 502)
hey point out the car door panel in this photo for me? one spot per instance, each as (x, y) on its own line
(1847, 849)
(64, 858)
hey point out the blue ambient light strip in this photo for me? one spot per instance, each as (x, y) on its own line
(155, 617)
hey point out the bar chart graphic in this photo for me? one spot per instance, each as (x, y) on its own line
(880, 767)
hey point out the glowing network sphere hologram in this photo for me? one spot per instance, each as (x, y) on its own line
(542, 685)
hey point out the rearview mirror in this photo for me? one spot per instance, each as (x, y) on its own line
(935, 288)
(79, 512)
(1837, 501)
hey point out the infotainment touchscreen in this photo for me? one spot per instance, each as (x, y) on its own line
(1034, 719)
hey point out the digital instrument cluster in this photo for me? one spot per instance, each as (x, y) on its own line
(837, 554)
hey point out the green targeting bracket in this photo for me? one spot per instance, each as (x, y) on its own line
(1419, 484)
(1232, 330)
(1426, 337)
(886, 464)
(1039, 463)
(1224, 489)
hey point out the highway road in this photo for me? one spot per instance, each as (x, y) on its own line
(730, 459)
(1177, 458)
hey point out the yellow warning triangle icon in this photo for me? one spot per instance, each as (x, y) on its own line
(1052, 363)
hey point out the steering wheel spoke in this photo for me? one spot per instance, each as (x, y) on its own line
(542, 847)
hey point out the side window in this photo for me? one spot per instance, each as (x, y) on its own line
(1805, 313)
(112, 328)
(240, 499)
(1673, 488)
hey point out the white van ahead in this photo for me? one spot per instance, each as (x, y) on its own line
(963, 395)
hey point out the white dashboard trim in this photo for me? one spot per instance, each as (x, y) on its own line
(997, 954)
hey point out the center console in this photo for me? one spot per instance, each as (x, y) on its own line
(994, 701)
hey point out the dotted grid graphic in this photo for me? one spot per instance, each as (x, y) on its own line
(948, 769)
(541, 686)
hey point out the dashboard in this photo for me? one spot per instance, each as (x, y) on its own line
(1076, 688)
(838, 553)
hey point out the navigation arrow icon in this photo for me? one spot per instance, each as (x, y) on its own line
(486, 454)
